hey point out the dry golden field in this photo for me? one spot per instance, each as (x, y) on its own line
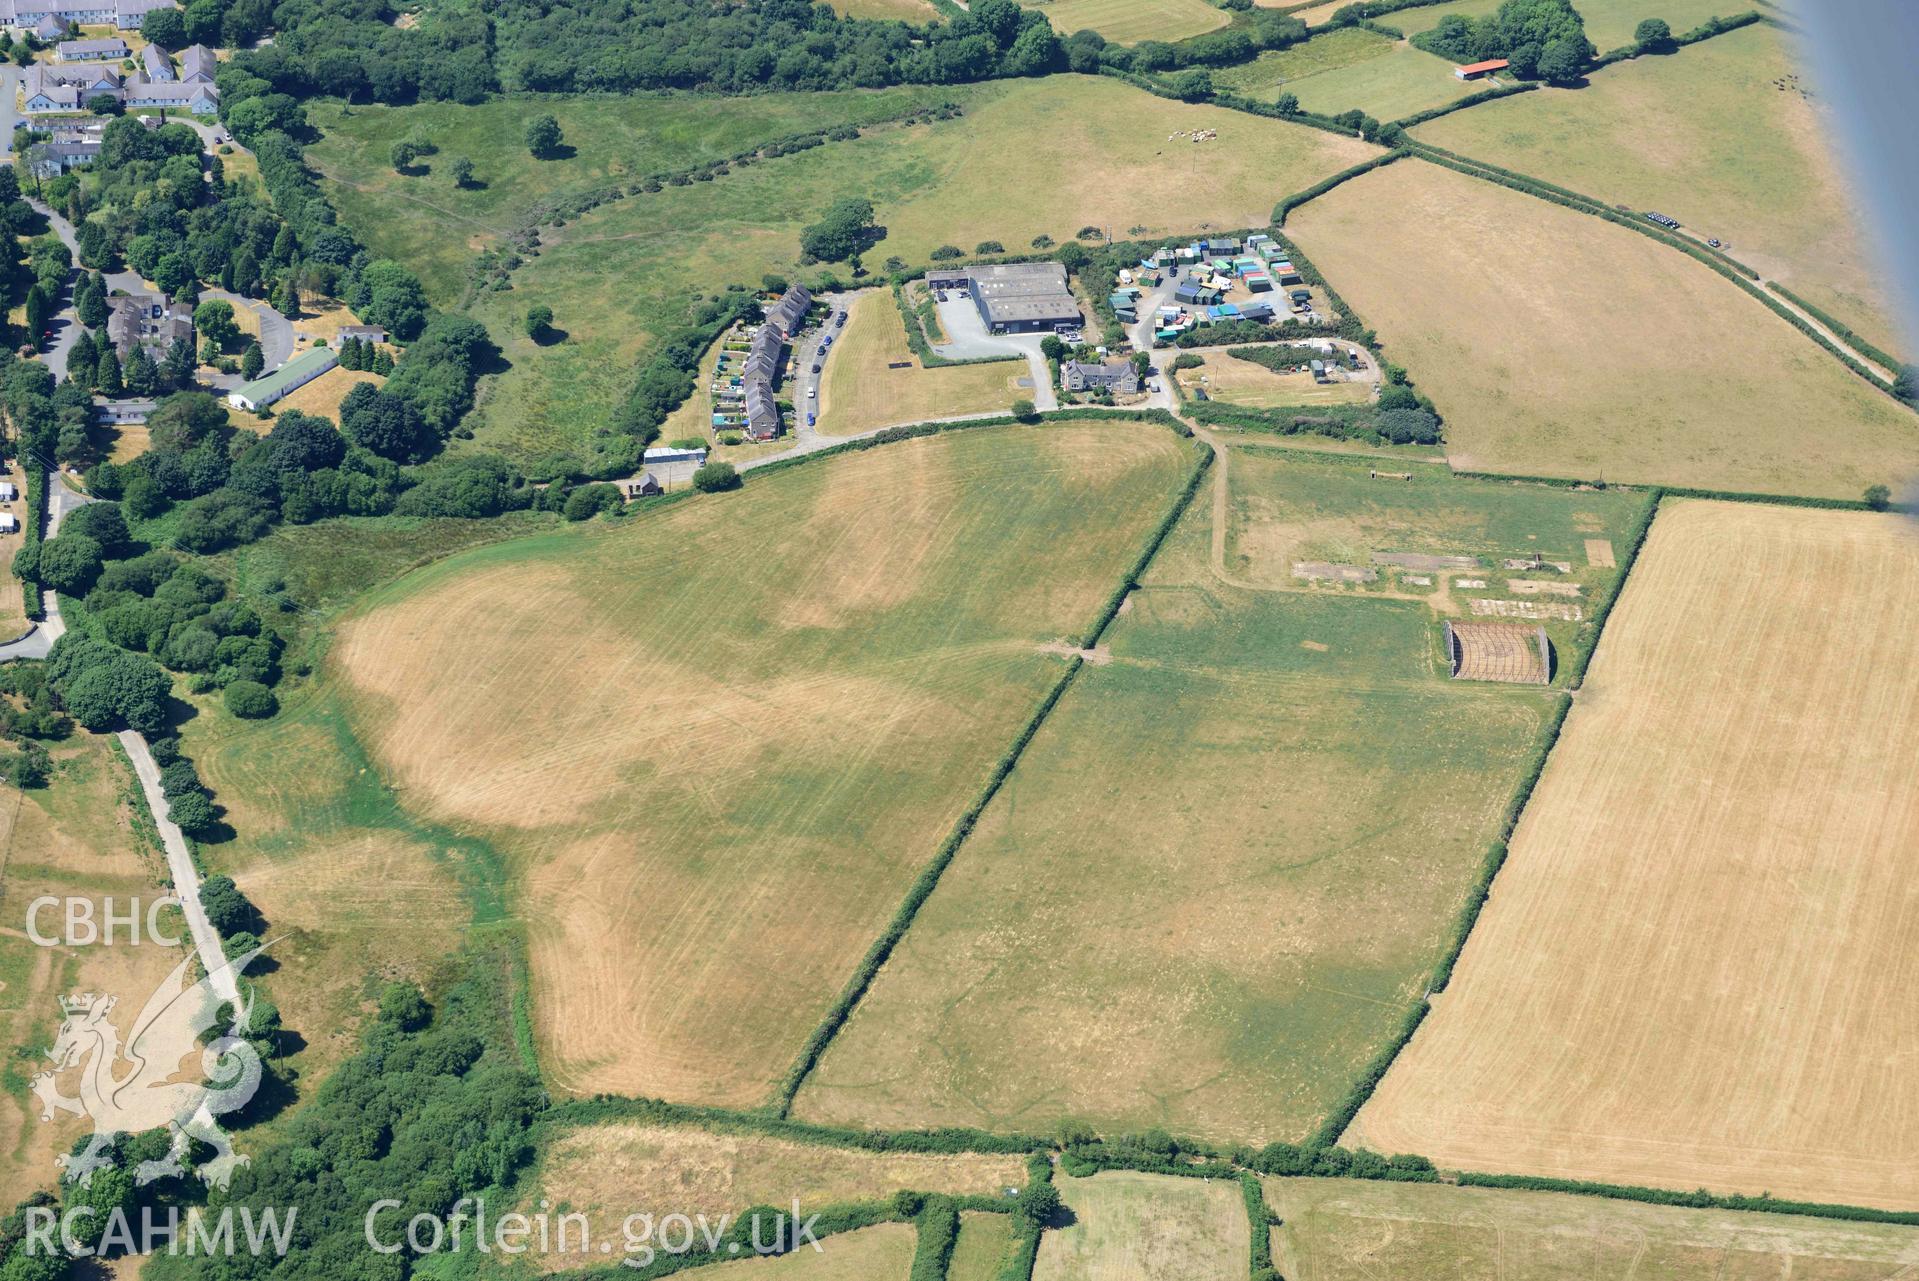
(1696, 966)
(1345, 1230)
(73, 837)
(715, 743)
(1727, 138)
(1146, 1227)
(323, 395)
(882, 1253)
(859, 392)
(1243, 382)
(619, 1168)
(1558, 344)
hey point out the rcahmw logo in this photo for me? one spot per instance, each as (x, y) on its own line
(205, 1235)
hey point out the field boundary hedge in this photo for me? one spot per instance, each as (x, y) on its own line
(916, 896)
(1737, 272)
(602, 1109)
(1846, 332)
(1154, 540)
(1635, 539)
(1260, 1223)
(1324, 185)
(1699, 1199)
(34, 534)
(1470, 100)
(1704, 31)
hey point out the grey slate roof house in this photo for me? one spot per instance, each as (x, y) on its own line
(146, 320)
(109, 50)
(124, 15)
(1121, 378)
(158, 65)
(197, 64)
(789, 313)
(199, 98)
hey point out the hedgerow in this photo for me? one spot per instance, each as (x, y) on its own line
(922, 889)
(1260, 1264)
(1602, 609)
(1704, 31)
(1697, 1199)
(1153, 541)
(1470, 100)
(606, 1107)
(938, 1227)
(1325, 185)
(1851, 337)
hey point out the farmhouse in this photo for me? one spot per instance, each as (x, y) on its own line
(146, 320)
(1475, 70)
(1078, 376)
(108, 50)
(296, 373)
(1515, 653)
(1015, 297)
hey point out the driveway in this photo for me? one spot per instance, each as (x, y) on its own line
(967, 339)
(10, 117)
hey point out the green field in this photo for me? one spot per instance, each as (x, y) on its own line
(1348, 68)
(1527, 324)
(1227, 863)
(751, 755)
(1131, 21)
(1146, 1227)
(1341, 1230)
(424, 221)
(624, 272)
(1722, 136)
(987, 1243)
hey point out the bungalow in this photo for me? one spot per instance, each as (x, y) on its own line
(1474, 70)
(364, 333)
(662, 454)
(1078, 376)
(288, 378)
(197, 64)
(108, 50)
(120, 413)
(156, 62)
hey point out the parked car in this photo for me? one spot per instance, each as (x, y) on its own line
(839, 321)
(811, 419)
(812, 393)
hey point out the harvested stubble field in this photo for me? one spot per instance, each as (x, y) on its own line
(1345, 1230)
(1693, 968)
(1708, 136)
(625, 272)
(611, 1170)
(741, 724)
(72, 838)
(1146, 1227)
(860, 391)
(1527, 322)
(1131, 21)
(1219, 877)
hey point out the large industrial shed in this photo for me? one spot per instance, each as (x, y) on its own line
(1015, 297)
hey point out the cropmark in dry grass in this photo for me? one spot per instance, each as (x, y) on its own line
(1146, 1227)
(717, 742)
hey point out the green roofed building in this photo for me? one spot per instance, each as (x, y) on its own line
(290, 377)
